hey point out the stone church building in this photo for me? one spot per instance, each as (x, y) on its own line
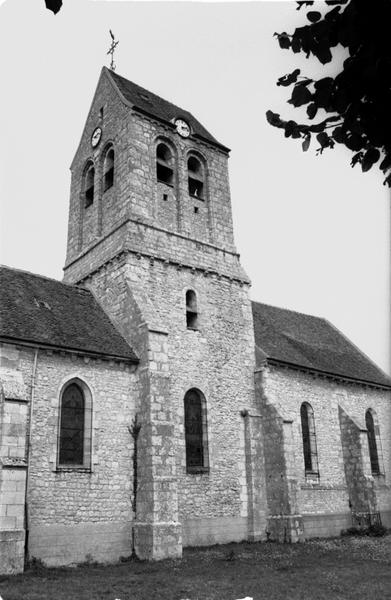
(146, 403)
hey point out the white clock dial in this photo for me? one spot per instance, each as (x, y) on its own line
(182, 128)
(95, 138)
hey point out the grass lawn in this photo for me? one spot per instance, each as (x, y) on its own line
(336, 569)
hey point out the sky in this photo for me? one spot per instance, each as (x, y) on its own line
(313, 234)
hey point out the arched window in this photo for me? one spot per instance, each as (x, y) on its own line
(74, 440)
(309, 439)
(372, 443)
(191, 310)
(108, 169)
(89, 182)
(196, 432)
(164, 164)
(195, 177)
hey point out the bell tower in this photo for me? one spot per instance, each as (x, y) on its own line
(150, 232)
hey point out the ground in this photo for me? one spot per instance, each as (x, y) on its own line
(337, 569)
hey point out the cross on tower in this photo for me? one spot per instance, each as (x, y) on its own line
(113, 46)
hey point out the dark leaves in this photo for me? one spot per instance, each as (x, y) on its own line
(357, 98)
(312, 109)
(314, 16)
(301, 3)
(357, 158)
(283, 40)
(274, 119)
(306, 142)
(53, 5)
(386, 163)
(300, 95)
(370, 157)
(289, 78)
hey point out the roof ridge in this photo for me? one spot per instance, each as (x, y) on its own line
(64, 283)
(144, 89)
(297, 312)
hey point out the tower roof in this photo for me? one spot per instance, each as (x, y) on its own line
(292, 338)
(155, 106)
(45, 312)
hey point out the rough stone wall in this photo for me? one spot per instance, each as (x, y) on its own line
(283, 521)
(286, 389)
(162, 247)
(362, 497)
(136, 193)
(61, 500)
(13, 425)
(207, 359)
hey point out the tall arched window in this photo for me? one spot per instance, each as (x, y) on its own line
(196, 432)
(191, 310)
(164, 164)
(309, 439)
(89, 183)
(196, 177)
(108, 169)
(372, 443)
(74, 439)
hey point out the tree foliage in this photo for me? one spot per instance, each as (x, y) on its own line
(356, 103)
(53, 5)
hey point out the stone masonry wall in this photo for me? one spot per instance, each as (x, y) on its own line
(217, 358)
(13, 466)
(156, 240)
(325, 504)
(136, 193)
(78, 514)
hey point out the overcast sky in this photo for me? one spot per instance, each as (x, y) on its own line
(313, 233)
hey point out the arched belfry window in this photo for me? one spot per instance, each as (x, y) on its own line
(373, 434)
(309, 439)
(164, 164)
(89, 185)
(196, 432)
(108, 169)
(196, 177)
(74, 439)
(191, 310)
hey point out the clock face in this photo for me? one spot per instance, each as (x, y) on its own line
(182, 128)
(95, 138)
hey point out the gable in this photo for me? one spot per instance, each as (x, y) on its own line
(312, 343)
(42, 311)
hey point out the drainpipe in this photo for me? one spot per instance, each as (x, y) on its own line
(28, 449)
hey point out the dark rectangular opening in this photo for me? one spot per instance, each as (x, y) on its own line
(191, 319)
(89, 197)
(164, 174)
(109, 179)
(196, 188)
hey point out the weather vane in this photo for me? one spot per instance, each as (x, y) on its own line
(113, 46)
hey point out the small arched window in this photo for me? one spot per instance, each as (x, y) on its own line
(309, 439)
(195, 177)
(196, 432)
(75, 420)
(164, 164)
(89, 183)
(71, 449)
(372, 442)
(191, 310)
(108, 169)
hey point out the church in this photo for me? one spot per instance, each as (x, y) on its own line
(146, 402)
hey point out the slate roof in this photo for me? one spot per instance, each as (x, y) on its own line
(313, 343)
(158, 107)
(46, 312)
